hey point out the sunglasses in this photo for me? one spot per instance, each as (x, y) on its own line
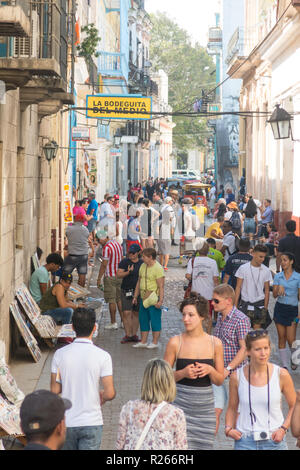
(216, 301)
(258, 333)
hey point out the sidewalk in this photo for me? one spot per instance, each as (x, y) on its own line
(129, 363)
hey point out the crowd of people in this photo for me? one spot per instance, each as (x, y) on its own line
(220, 362)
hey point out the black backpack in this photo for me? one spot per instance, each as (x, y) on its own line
(236, 221)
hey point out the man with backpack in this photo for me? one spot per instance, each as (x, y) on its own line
(230, 240)
(235, 217)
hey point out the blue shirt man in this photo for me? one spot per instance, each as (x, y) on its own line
(268, 214)
(92, 210)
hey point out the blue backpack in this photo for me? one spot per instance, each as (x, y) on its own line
(236, 221)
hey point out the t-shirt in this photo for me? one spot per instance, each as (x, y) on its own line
(167, 218)
(253, 281)
(291, 287)
(215, 226)
(203, 272)
(229, 241)
(105, 211)
(93, 205)
(130, 282)
(232, 265)
(218, 257)
(40, 276)
(113, 253)
(79, 368)
(153, 273)
(77, 235)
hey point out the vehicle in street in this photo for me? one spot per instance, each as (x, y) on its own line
(196, 191)
(192, 174)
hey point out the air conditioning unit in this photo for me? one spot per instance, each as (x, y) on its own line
(29, 47)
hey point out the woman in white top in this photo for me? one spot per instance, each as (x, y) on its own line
(254, 417)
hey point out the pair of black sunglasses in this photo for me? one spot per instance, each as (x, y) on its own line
(257, 333)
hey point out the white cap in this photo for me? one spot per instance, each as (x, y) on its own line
(168, 199)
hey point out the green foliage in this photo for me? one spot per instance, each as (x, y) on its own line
(190, 69)
(88, 47)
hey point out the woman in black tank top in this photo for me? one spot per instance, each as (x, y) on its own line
(199, 363)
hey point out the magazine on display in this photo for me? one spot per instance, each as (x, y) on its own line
(29, 339)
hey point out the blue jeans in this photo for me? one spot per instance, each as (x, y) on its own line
(247, 443)
(60, 315)
(83, 438)
(249, 226)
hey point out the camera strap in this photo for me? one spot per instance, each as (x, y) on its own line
(252, 415)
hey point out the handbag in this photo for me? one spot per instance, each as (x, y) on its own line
(152, 297)
(149, 424)
(257, 314)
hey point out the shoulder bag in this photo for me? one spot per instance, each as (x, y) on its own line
(149, 424)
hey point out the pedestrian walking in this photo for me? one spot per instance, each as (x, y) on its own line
(168, 221)
(134, 227)
(128, 271)
(231, 328)
(286, 289)
(289, 244)
(55, 303)
(40, 280)
(235, 261)
(76, 372)
(198, 358)
(112, 255)
(229, 246)
(92, 210)
(252, 291)
(250, 218)
(78, 249)
(254, 418)
(153, 423)
(150, 288)
(203, 272)
(107, 214)
(42, 416)
(215, 254)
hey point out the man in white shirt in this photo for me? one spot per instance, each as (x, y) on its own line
(167, 223)
(203, 272)
(107, 213)
(252, 291)
(228, 247)
(76, 372)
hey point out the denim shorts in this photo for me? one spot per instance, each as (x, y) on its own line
(221, 394)
(248, 443)
(249, 226)
(76, 262)
(92, 225)
(83, 438)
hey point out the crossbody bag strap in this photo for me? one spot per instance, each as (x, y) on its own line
(149, 424)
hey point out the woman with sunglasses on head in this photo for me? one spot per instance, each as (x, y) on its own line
(254, 416)
(199, 363)
(286, 289)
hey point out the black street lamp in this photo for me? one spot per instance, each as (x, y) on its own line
(50, 150)
(281, 124)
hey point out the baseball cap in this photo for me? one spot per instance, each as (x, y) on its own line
(101, 234)
(66, 277)
(42, 411)
(116, 196)
(135, 248)
(232, 205)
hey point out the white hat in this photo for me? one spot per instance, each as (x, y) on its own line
(198, 243)
(168, 199)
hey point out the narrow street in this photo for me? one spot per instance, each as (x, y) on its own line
(129, 363)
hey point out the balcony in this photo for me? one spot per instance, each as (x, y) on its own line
(215, 38)
(113, 64)
(237, 52)
(38, 64)
(13, 18)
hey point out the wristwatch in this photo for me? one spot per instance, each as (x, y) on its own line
(229, 368)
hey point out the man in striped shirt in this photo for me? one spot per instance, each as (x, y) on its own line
(112, 255)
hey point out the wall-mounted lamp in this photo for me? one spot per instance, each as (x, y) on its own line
(50, 150)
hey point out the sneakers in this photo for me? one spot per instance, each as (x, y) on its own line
(135, 339)
(140, 345)
(152, 346)
(111, 326)
(126, 339)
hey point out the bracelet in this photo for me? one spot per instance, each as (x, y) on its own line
(284, 428)
(228, 430)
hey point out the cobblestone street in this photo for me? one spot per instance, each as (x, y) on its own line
(129, 363)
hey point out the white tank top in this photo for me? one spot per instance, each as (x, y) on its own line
(259, 404)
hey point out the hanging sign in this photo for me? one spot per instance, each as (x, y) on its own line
(68, 210)
(131, 107)
(114, 152)
(80, 134)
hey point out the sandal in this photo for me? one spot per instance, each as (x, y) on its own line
(293, 365)
(126, 339)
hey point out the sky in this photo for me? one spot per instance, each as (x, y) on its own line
(195, 16)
